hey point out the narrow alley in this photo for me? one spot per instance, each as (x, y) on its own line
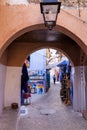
(46, 112)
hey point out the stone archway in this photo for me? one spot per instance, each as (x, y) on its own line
(15, 61)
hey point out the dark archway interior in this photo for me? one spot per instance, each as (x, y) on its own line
(44, 36)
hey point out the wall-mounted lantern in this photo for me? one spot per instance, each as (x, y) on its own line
(50, 12)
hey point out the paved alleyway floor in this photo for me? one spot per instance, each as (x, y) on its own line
(46, 112)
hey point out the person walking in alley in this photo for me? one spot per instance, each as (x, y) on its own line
(54, 78)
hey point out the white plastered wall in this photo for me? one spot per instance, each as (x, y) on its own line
(12, 86)
(79, 95)
(85, 73)
(13, 2)
(2, 85)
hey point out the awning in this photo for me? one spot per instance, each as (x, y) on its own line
(63, 63)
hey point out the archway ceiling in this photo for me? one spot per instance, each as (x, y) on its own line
(44, 36)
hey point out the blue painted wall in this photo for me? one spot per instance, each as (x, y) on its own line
(50, 0)
(38, 60)
(38, 63)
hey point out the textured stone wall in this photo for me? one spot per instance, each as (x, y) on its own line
(74, 3)
(68, 3)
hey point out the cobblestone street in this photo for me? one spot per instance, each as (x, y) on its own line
(46, 112)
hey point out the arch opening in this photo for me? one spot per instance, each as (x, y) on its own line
(40, 68)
